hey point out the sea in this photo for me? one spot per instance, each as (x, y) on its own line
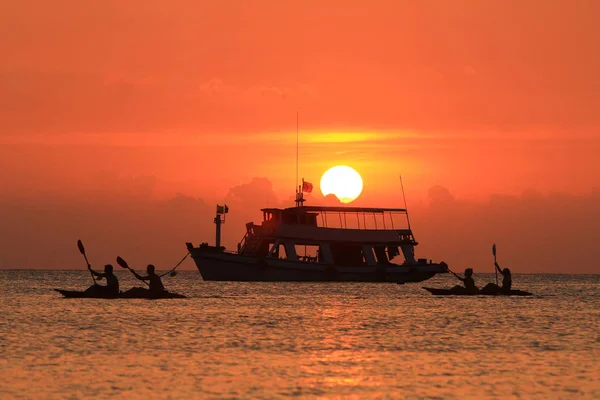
(234, 340)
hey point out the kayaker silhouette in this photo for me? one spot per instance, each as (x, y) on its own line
(506, 278)
(112, 283)
(155, 283)
(467, 280)
(506, 281)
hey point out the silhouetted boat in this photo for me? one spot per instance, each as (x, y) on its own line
(133, 293)
(455, 292)
(318, 244)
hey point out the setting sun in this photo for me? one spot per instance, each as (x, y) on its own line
(342, 181)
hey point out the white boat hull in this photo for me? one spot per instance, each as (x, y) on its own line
(216, 265)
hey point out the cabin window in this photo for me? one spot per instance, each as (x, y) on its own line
(309, 253)
(380, 255)
(347, 254)
(408, 250)
(368, 255)
(392, 251)
(278, 251)
(311, 219)
(283, 251)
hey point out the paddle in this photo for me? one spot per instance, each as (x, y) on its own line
(123, 264)
(449, 270)
(495, 269)
(82, 251)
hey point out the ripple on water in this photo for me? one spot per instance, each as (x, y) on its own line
(240, 340)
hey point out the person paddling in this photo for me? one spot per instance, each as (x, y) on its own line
(112, 283)
(506, 281)
(155, 283)
(506, 278)
(467, 280)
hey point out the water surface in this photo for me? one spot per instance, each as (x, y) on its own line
(299, 340)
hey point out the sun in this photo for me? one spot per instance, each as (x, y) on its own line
(342, 181)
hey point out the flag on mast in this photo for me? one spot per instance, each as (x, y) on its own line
(307, 187)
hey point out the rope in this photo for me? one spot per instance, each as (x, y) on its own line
(175, 267)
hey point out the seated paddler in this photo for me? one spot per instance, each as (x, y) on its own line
(154, 282)
(468, 281)
(506, 278)
(112, 283)
(506, 281)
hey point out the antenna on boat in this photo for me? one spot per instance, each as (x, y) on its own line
(299, 194)
(297, 135)
(404, 197)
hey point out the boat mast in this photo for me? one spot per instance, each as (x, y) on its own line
(404, 197)
(221, 210)
(299, 194)
(297, 130)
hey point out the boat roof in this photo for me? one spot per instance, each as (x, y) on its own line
(336, 209)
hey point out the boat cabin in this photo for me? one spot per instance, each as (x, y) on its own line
(349, 236)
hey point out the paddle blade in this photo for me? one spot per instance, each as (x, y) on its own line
(81, 248)
(494, 249)
(173, 273)
(122, 263)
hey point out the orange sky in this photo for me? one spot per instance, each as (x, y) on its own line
(105, 103)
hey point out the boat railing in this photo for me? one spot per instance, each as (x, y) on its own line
(363, 220)
(242, 243)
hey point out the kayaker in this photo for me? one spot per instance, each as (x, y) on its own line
(467, 280)
(112, 283)
(506, 278)
(155, 284)
(506, 282)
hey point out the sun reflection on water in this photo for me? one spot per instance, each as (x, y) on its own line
(237, 340)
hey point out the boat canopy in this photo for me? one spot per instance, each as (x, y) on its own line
(365, 218)
(339, 209)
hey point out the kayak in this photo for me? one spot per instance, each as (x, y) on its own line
(79, 294)
(143, 293)
(133, 293)
(454, 292)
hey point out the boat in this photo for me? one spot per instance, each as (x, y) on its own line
(133, 293)
(463, 292)
(318, 244)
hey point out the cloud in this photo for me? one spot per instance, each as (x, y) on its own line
(440, 196)
(108, 184)
(147, 67)
(534, 232)
(246, 200)
(213, 86)
(273, 91)
(53, 104)
(317, 199)
(259, 189)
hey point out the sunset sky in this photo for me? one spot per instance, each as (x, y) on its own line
(123, 123)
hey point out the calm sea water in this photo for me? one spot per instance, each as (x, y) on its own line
(282, 340)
